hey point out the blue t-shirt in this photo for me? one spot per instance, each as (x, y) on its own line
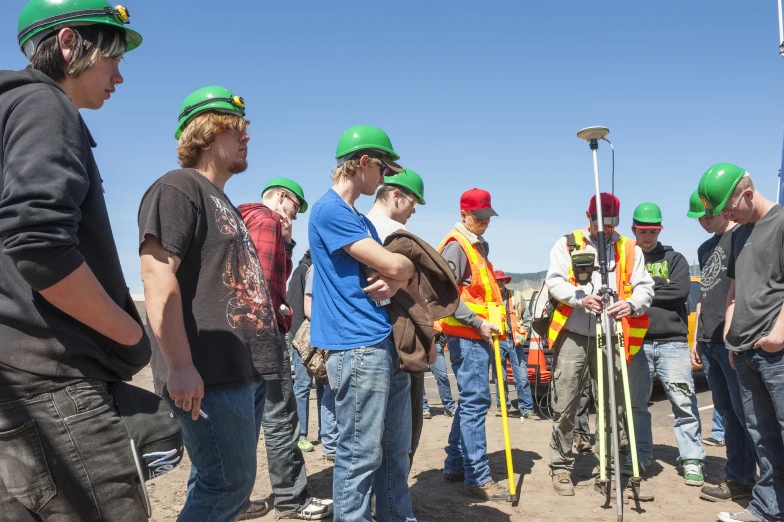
(344, 317)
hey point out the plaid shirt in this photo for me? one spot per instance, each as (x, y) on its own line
(265, 230)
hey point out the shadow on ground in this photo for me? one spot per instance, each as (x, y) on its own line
(440, 501)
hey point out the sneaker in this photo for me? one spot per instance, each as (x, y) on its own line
(583, 445)
(454, 477)
(254, 509)
(491, 490)
(314, 509)
(727, 490)
(692, 472)
(562, 484)
(304, 446)
(740, 516)
(426, 414)
(449, 413)
(711, 441)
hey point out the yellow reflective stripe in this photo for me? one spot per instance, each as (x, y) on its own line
(477, 308)
(637, 332)
(471, 251)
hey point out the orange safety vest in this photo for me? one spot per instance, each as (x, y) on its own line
(518, 330)
(634, 328)
(482, 293)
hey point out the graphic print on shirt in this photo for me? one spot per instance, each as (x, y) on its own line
(659, 269)
(249, 304)
(714, 265)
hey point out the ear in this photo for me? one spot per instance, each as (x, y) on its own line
(66, 38)
(364, 160)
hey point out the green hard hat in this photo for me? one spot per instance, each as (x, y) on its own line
(291, 185)
(717, 184)
(364, 137)
(211, 98)
(696, 208)
(39, 18)
(647, 214)
(410, 180)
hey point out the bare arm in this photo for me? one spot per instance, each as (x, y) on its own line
(730, 309)
(307, 303)
(164, 314)
(81, 296)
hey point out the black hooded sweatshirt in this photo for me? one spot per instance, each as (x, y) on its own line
(671, 284)
(53, 218)
(295, 296)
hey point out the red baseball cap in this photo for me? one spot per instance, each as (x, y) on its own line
(501, 277)
(611, 207)
(477, 201)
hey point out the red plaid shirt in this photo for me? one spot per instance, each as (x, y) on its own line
(264, 228)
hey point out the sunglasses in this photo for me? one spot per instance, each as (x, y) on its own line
(296, 203)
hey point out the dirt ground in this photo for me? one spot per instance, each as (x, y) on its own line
(435, 500)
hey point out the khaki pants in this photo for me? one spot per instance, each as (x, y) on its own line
(575, 362)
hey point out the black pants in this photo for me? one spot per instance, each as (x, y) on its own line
(66, 455)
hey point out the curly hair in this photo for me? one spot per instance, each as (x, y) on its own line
(201, 132)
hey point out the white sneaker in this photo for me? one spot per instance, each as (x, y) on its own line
(315, 509)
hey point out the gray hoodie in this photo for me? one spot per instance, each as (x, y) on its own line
(53, 218)
(581, 321)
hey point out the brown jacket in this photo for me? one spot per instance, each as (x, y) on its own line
(412, 321)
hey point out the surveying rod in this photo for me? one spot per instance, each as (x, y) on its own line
(593, 135)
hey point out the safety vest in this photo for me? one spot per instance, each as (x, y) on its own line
(634, 328)
(482, 293)
(515, 310)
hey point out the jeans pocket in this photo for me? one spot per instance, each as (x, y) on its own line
(334, 370)
(23, 466)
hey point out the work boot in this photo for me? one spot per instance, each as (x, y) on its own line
(531, 416)
(628, 469)
(727, 490)
(692, 472)
(512, 414)
(488, 491)
(582, 445)
(740, 516)
(254, 509)
(449, 413)
(454, 477)
(562, 484)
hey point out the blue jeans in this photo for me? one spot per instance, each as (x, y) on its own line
(442, 380)
(467, 449)
(222, 449)
(516, 356)
(761, 379)
(723, 381)
(328, 427)
(303, 382)
(717, 425)
(373, 410)
(672, 361)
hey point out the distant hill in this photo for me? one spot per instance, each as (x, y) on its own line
(532, 280)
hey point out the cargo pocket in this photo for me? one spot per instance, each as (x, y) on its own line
(23, 467)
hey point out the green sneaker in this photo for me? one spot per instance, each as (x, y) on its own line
(304, 446)
(692, 472)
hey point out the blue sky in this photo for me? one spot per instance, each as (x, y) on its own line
(472, 94)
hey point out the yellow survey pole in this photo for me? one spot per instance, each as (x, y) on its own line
(495, 317)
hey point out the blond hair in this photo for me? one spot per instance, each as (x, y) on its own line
(349, 168)
(201, 132)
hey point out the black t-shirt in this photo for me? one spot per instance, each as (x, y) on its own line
(757, 265)
(714, 256)
(295, 296)
(226, 305)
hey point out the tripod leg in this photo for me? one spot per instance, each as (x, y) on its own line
(613, 415)
(600, 407)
